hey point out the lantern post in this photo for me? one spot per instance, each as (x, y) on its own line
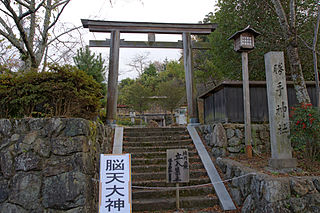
(244, 43)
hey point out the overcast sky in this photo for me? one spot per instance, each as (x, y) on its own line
(168, 11)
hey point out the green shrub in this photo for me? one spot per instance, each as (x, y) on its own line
(124, 122)
(305, 134)
(63, 91)
(139, 121)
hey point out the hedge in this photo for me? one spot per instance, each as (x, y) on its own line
(62, 91)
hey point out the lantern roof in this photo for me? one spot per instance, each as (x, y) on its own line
(248, 29)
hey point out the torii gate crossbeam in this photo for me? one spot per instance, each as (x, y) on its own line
(116, 27)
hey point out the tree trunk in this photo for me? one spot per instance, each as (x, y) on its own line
(290, 34)
(296, 74)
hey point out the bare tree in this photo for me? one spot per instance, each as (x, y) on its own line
(67, 39)
(29, 26)
(139, 62)
(288, 26)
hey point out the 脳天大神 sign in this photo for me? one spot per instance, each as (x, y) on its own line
(177, 166)
(115, 183)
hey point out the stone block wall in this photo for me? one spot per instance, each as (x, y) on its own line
(262, 193)
(228, 139)
(50, 165)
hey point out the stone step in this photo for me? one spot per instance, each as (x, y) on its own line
(156, 138)
(160, 167)
(160, 154)
(194, 202)
(155, 148)
(162, 143)
(148, 148)
(171, 193)
(159, 129)
(154, 133)
(163, 183)
(159, 160)
(162, 175)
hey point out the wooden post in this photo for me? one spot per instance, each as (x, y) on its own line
(112, 95)
(177, 197)
(191, 96)
(246, 103)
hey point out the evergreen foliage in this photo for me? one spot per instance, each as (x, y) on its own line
(223, 63)
(91, 64)
(167, 82)
(63, 91)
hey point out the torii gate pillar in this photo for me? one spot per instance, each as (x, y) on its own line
(190, 86)
(113, 77)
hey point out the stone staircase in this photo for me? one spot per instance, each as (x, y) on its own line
(148, 153)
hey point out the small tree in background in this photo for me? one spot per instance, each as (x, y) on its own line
(174, 91)
(137, 97)
(92, 64)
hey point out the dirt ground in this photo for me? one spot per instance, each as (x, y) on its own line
(260, 162)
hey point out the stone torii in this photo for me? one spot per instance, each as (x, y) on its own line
(150, 28)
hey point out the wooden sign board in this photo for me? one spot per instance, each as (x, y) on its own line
(115, 183)
(177, 166)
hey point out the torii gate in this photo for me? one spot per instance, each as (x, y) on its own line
(115, 28)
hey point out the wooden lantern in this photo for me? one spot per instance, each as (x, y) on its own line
(244, 39)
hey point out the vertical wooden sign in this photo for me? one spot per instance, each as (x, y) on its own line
(177, 166)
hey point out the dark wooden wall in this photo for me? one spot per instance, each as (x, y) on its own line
(224, 103)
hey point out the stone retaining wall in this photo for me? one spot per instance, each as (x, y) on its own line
(50, 165)
(261, 193)
(228, 139)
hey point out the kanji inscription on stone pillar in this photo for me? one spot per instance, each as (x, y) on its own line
(281, 151)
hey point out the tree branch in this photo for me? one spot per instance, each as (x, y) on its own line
(5, 12)
(21, 31)
(59, 3)
(282, 17)
(23, 4)
(316, 29)
(66, 32)
(13, 41)
(59, 14)
(32, 24)
(306, 44)
(4, 24)
(293, 14)
(31, 10)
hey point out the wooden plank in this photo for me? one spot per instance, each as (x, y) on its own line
(221, 191)
(147, 27)
(112, 94)
(146, 44)
(118, 140)
(190, 87)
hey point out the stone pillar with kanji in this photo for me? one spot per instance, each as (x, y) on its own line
(281, 150)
